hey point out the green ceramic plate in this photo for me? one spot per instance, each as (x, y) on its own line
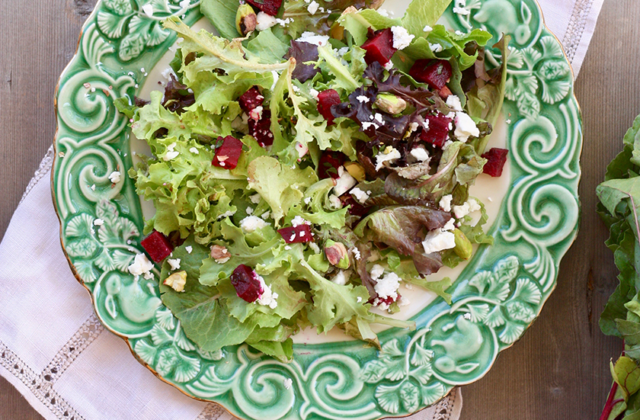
(534, 209)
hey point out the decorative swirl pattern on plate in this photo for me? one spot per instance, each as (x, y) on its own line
(494, 300)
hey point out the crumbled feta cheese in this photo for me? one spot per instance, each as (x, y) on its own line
(252, 223)
(363, 99)
(376, 271)
(313, 38)
(403, 301)
(473, 205)
(255, 198)
(356, 253)
(287, 248)
(450, 225)
(388, 286)
(268, 297)
(292, 238)
(454, 103)
(420, 153)
(367, 125)
(141, 265)
(174, 263)
(344, 183)
(148, 10)
(314, 247)
(490, 199)
(313, 7)
(167, 73)
(194, 151)
(383, 12)
(428, 28)
(287, 383)
(302, 150)
(249, 210)
(360, 195)
(465, 127)
(436, 48)
(98, 222)
(314, 93)
(341, 278)
(307, 200)
(170, 155)
(256, 113)
(226, 214)
(388, 65)
(335, 202)
(265, 21)
(461, 211)
(266, 215)
(390, 154)
(298, 221)
(115, 177)
(438, 240)
(189, 249)
(401, 38)
(379, 118)
(413, 127)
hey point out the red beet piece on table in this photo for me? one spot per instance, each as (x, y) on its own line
(157, 246)
(228, 154)
(296, 235)
(438, 131)
(379, 47)
(251, 99)
(329, 164)
(496, 158)
(270, 7)
(326, 99)
(247, 283)
(434, 73)
(261, 129)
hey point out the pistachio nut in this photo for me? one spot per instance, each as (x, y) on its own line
(390, 104)
(337, 254)
(246, 19)
(176, 281)
(356, 170)
(463, 248)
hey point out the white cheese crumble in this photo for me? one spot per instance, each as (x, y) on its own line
(438, 240)
(383, 12)
(252, 223)
(450, 225)
(388, 66)
(98, 222)
(436, 48)
(341, 278)
(344, 183)
(469, 207)
(256, 113)
(115, 177)
(302, 150)
(403, 301)
(420, 153)
(314, 247)
(255, 198)
(376, 271)
(141, 266)
(189, 249)
(299, 221)
(171, 153)
(307, 200)
(360, 195)
(314, 93)
(174, 263)
(227, 214)
(454, 103)
(473, 205)
(427, 28)
(249, 210)
(268, 297)
(313, 7)
(465, 127)
(390, 154)
(356, 253)
(194, 151)
(401, 38)
(266, 215)
(363, 99)
(313, 38)
(367, 125)
(335, 202)
(265, 21)
(388, 286)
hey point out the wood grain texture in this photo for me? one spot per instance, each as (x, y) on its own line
(558, 371)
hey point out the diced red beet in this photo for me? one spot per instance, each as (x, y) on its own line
(496, 158)
(261, 129)
(355, 209)
(326, 99)
(228, 154)
(434, 73)
(251, 99)
(157, 246)
(247, 283)
(386, 301)
(296, 235)
(438, 131)
(379, 47)
(329, 164)
(270, 7)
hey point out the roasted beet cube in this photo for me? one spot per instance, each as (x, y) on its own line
(329, 164)
(435, 73)
(296, 235)
(261, 129)
(355, 208)
(251, 99)
(270, 7)
(157, 246)
(247, 283)
(438, 131)
(496, 158)
(326, 99)
(227, 155)
(379, 47)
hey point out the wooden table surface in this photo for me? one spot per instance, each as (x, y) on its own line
(559, 370)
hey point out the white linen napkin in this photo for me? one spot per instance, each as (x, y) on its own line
(56, 353)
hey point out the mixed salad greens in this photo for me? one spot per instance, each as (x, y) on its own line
(308, 161)
(619, 207)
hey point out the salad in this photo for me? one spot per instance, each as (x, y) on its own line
(310, 160)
